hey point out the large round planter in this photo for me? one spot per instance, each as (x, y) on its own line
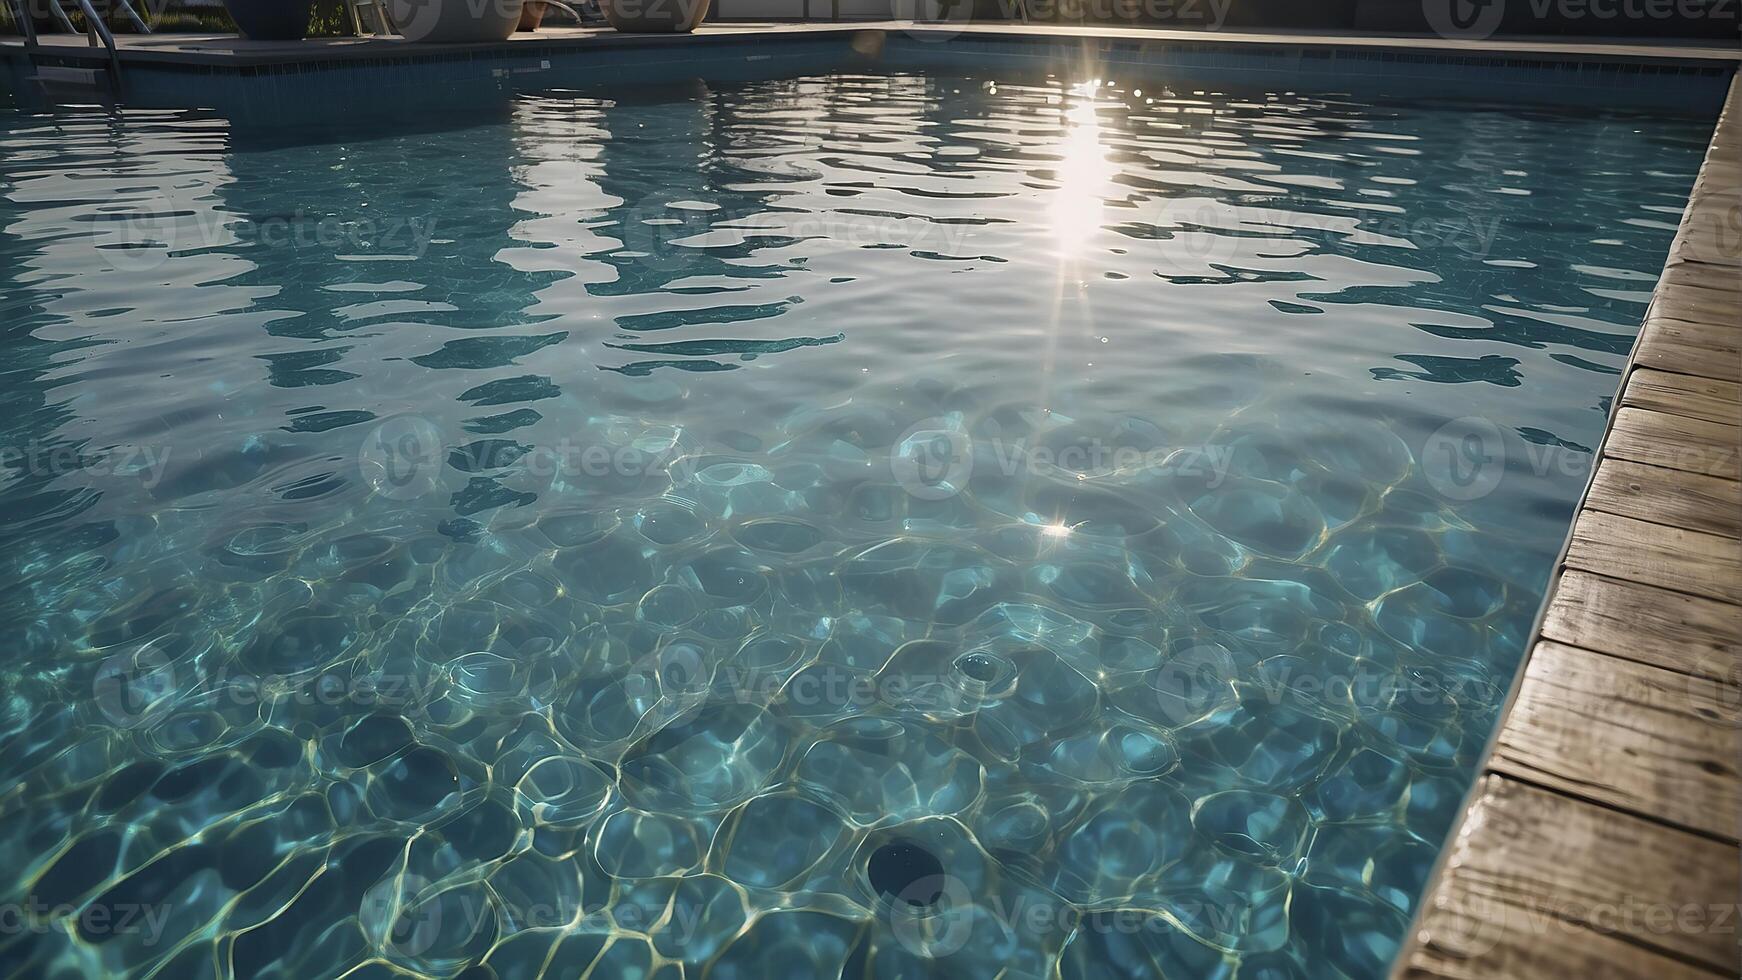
(455, 21)
(270, 20)
(655, 16)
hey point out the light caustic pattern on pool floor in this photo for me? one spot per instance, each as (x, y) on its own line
(853, 525)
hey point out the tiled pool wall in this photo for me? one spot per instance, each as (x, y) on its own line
(394, 83)
(399, 82)
(1596, 82)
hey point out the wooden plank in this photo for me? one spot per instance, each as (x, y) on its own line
(1712, 235)
(1671, 558)
(1695, 303)
(1704, 350)
(1675, 442)
(1643, 739)
(1650, 625)
(1717, 247)
(1699, 274)
(1539, 885)
(1681, 394)
(1648, 493)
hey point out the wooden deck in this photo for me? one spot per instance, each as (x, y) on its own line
(1602, 838)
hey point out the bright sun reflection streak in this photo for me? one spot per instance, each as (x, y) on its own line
(1085, 179)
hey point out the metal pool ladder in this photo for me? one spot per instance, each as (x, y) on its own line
(96, 33)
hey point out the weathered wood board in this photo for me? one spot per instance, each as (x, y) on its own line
(1642, 739)
(1640, 622)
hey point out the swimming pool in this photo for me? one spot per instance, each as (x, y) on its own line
(860, 523)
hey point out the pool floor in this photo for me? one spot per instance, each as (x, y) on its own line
(858, 523)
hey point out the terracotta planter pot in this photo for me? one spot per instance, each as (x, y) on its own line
(532, 15)
(455, 21)
(655, 16)
(270, 20)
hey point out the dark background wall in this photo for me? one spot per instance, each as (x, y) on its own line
(1711, 20)
(1707, 20)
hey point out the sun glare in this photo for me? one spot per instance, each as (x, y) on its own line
(1085, 177)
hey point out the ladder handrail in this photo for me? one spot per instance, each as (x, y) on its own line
(60, 14)
(96, 30)
(139, 23)
(26, 26)
(27, 23)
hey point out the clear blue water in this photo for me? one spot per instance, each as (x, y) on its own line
(851, 525)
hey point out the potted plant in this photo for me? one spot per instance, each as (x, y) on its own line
(270, 20)
(455, 21)
(654, 16)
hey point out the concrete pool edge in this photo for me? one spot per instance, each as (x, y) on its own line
(229, 51)
(1601, 836)
(177, 71)
(288, 81)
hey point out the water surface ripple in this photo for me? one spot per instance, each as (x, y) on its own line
(851, 525)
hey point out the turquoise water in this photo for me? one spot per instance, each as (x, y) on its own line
(851, 525)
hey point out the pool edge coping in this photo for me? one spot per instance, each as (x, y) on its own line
(187, 50)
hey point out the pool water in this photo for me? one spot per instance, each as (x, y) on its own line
(850, 525)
